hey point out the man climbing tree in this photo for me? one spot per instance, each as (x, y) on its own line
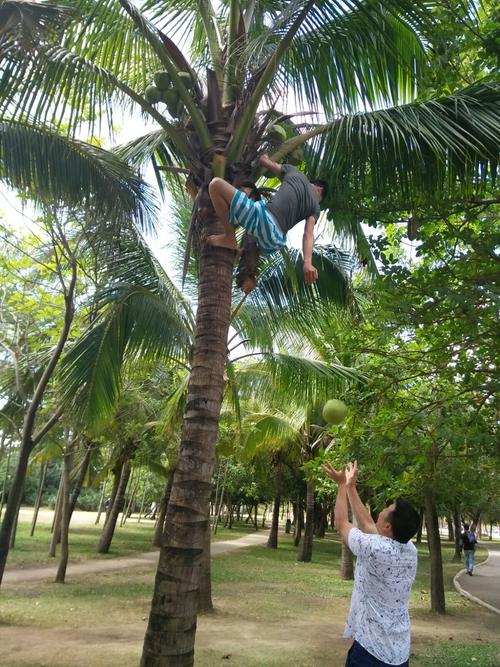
(297, 199)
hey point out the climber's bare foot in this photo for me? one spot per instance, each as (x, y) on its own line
(223, 241)
(248, 285)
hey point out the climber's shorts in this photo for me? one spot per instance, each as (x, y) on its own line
(256, 220)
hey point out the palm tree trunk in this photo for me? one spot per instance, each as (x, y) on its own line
(82, 473)
(299, 522)
(43, 471)
(56, 520)
(5, 478)
(101, 503)
(205, 603)
(162, 512)
(65, 516)
(418, 538)
(305, 552)
(172, 622)
(109, 527)
(272, 540)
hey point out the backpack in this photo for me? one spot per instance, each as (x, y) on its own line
(469, 539)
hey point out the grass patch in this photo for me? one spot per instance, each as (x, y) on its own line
(131, 539)
(270, 611)
(461, 655)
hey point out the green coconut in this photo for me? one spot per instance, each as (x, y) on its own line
(162, 80)
(186, 79)
(334, 411)
(152, 95)
(277, 134)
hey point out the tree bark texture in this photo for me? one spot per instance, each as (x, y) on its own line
(346, 563)
(65, 517)
(272, 540)
(172, 622)
(306, 548)
(109, 527)
(38, 501)
(457, 556)
(434, 543)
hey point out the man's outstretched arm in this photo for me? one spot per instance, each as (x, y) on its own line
(270, 165)
(310, 272)
(363, 518)
(341, 512)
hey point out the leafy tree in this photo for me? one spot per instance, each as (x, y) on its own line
(243, 58)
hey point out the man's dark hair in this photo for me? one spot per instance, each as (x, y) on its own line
(323, 185)
(254, 190)
(466, 526)
(404, 520)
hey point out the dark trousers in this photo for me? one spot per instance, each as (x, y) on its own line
(359, 657)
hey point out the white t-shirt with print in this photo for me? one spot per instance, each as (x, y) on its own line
(378, 618)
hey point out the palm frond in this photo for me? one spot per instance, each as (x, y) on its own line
(282, 304)
(56, 168)
(301, 381)
(271, 431)
(30, 23)
(138, 325)
(414, 152)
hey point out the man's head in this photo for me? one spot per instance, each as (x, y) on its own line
(399, 521)
(466, 526)
(251, 190)
(321, 188)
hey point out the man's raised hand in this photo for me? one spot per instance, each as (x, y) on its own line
(351, 474)
(338, 476)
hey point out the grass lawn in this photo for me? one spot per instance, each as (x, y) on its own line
(270, 611)
(131, 539)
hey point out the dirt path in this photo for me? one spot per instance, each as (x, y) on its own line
(16, 576)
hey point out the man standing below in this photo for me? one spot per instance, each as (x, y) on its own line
(469, 542)
(297, 199)
(386, 565)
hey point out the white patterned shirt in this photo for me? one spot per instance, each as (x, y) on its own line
(378, 618)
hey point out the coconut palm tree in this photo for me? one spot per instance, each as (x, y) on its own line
(356, 61)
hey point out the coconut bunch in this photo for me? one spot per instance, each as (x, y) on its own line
(162, 91)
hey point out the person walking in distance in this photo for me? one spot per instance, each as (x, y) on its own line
(378, 621)
(468, 539)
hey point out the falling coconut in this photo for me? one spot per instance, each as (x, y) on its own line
(334, 411)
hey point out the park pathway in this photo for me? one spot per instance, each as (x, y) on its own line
(484, 586)
(47, 573)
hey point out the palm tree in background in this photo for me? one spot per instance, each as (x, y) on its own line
(216, 112)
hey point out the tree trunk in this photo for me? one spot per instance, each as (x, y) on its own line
(346, 563)
(418, 538)
(306, 548)
(457, 556)
(13, 533)
(101, 503)
(82, 473)
(434, 544)
(11, 508)
(74, 494)
(56, 521)
(272, 540)
(162, 512)
(117, 472)
(299, 523)
(38, 501)
(109, 527)
(451, 531)
(172, 622)
(65, 515)
(205, 603)
(5, 478)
